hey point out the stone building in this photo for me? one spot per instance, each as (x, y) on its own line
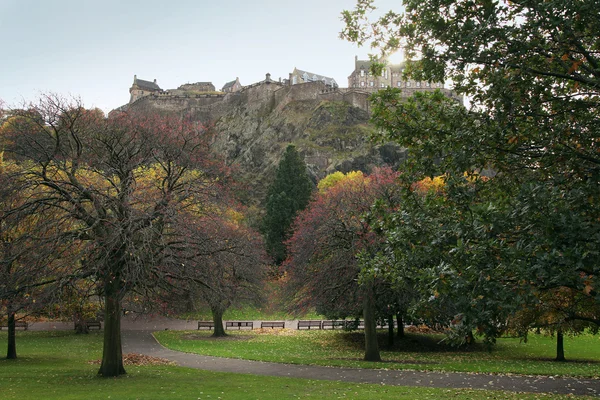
(141, 88)
(299, 76)
(233, 86)
(391, 76)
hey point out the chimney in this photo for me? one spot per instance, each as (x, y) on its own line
(154, 80)
(268, 77)
(134, 78)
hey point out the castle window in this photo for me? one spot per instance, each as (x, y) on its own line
(362, 72)
(399, 84)
(362, 83)
(305, 77)
(418, 84)
(382, 84)
(371, 83)
(294, 80)
(428, 84)
(407, 83)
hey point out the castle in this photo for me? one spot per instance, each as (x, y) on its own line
(202, 99)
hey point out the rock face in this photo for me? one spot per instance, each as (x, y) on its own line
(332, 136)
(253, 127)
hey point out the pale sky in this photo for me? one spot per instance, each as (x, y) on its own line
(92, 48)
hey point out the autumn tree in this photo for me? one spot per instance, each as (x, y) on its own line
(29, 252)
(121, 181)
(330, 245)
(226, 264)
(530, 70)
(288, 194)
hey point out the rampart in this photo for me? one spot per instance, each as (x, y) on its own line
(266, 95)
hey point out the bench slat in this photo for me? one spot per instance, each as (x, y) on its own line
(272, 324)
(239, 324)
(206, 325)
(309, 324)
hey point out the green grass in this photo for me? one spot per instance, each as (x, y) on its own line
(419, 352)
(53, 365)
(248, 313)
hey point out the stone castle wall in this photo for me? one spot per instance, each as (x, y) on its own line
(266, 96)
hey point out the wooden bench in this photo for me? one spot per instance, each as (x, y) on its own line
(18, 324)
(309, 324)
(93, 323)
(272, 324)
(333, 324)
(239, 324)
(206, 325)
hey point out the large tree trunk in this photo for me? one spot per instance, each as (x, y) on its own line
(560, 346)
(218, 322)
(11, 352)
(391, 331)
(112, 354)
(371, 345)
(80, 325)
(400, 325)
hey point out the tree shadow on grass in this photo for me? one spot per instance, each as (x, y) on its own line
(228, 338)
(413, 343)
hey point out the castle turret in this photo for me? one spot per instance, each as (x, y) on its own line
(141, 88)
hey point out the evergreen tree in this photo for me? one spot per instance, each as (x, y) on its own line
(288, 194)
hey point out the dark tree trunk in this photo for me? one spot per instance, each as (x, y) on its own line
(470, 339)
(391, 331)
(560, 346)
(400, 325)
(80, 326)
(11, 352)
(218, 322)
(371, 345)
(112, 354)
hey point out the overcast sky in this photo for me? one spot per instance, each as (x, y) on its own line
(92, 48)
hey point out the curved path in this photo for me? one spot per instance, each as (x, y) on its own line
(142, 341)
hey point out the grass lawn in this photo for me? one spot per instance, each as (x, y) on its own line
(54, 365)
(420, 352)
(247, 313)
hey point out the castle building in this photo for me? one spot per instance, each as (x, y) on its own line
(141, 88)
(300, 76)
(232, 87)
(391, 76)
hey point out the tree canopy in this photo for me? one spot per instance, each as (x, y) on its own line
(128, 186)
(531, 71)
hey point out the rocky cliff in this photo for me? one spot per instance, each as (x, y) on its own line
(253, 128)
(331, 135)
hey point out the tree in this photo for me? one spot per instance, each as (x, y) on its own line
(331, 243)
(121, 182)
(288, 194)
(226, 263)
(531, 72)
(29, 252)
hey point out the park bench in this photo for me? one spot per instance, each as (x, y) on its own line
(18, 324)
(206, 325)
(308, 324)
(93, 323)
(272, 324)
(239, 324)
(333, 324)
